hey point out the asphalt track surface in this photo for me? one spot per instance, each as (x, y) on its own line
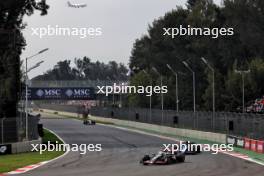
(122, 151)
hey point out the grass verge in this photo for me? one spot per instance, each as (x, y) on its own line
(11, 162)
(256, 156)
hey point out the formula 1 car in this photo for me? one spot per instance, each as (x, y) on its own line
(89, 122)
(163, 158)
(192, 148)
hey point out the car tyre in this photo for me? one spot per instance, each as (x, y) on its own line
(169, 161)
(145, 158)
(180, 159)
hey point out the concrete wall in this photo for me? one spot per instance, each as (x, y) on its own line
(214, 137)
(71, 114)
(22, 147)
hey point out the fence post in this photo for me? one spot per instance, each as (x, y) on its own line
(227, 123)
(254, 135)
(194, 121)
(2, 128)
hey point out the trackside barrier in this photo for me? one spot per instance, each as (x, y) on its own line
(238, 124)
(25, 146)
(231, 140)
(240, 142)
(5, 149)
(236, 141)
(209, 136)
(18, 147)
(260, 146)
(253, 146)
(247, 143)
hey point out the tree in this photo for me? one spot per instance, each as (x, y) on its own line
(85, 69)
(12, 43)
(244, 48)
(139, 100)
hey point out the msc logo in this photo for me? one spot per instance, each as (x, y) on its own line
(77, 92)
(40, 93)
(69, 92)
(52, 92)
(81, 92)
(48, 92)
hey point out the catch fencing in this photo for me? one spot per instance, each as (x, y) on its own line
(14, 129)
(245, 125)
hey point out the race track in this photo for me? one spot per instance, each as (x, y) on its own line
(122, 151)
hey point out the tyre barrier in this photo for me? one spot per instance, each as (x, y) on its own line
(253, 146)
(246, 143)
(260, 147)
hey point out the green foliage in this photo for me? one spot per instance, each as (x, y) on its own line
(85, 69)
(139, 100)
(243, 50)
(50, 137)
(256, 77)
(12, 43)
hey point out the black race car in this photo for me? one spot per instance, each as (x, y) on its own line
(163, 158)
(192, 148)
(89, 122)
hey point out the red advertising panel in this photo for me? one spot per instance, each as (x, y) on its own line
(247, 143)
(253, 146)
(260, 146)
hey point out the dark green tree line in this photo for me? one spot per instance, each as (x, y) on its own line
(243, 51)
(85, 69)
(12, 43)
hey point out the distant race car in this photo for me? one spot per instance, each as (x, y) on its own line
(89, 122)
(192, 148)
(163, 158)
